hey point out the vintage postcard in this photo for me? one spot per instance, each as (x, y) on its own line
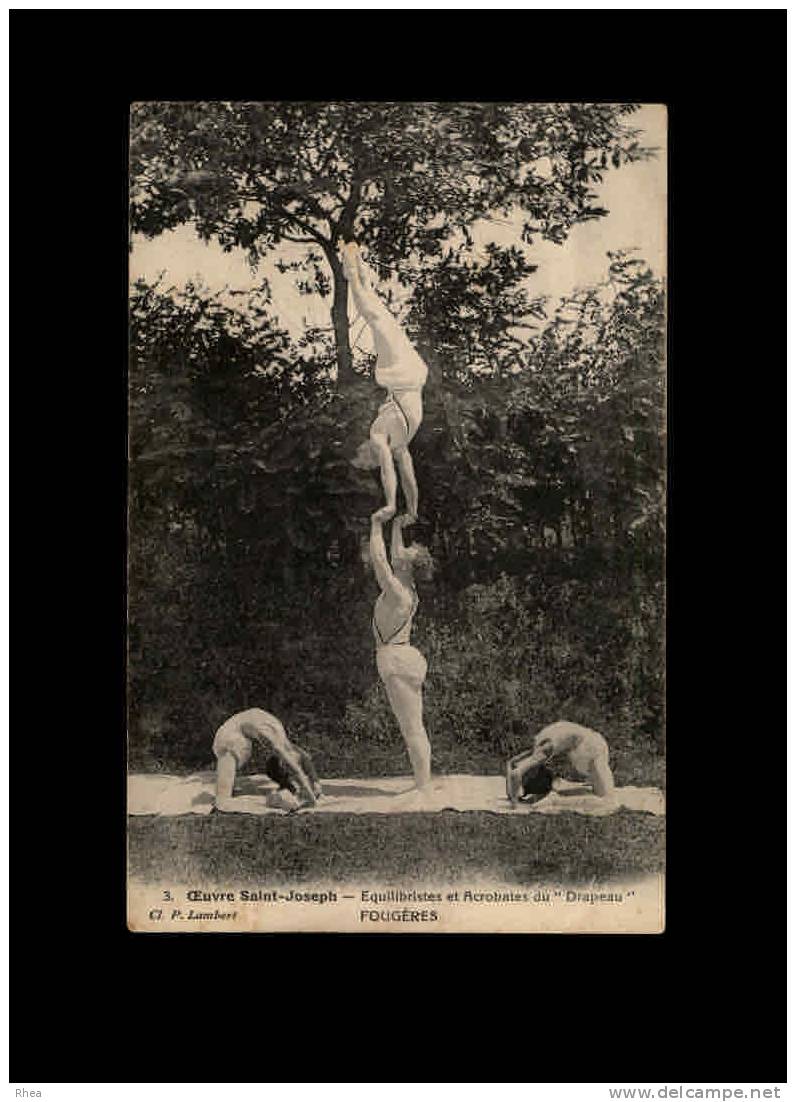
(397, 489)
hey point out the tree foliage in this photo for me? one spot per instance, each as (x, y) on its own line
(404, 178)
(540, 459)
(541, 467)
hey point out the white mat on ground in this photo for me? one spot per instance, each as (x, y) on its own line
(163, 794)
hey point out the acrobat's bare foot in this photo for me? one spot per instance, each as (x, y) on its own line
(414, 799)
(349, 258)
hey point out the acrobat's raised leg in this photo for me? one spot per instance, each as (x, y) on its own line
(367, 302)
(389, 340)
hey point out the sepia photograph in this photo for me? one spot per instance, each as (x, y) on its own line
(397, 517)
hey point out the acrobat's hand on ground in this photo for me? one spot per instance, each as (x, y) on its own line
(513, 784)
(385, 513)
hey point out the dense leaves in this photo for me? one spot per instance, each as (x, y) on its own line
(403, 177)
(540, 458)
(541, 476)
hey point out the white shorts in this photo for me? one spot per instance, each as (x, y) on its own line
(401, 660)
(403, 412)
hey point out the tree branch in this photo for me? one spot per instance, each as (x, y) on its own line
(295, 192)
(345, 226)
(304, 226)
(268, 200)
(308, 229)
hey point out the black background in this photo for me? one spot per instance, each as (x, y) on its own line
(702, 1002)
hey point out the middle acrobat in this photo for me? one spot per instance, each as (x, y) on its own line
(403, 374)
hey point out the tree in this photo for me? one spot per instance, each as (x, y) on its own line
(404, 178)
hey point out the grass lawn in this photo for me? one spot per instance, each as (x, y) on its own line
(394, 850)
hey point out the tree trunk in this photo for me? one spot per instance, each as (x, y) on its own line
(345, 360)
(344, 231)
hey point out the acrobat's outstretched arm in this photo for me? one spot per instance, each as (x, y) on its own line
(406, 469)
(378, 554)
(309, 769)
(397, 538)
(304, 782)
(226, 768)
(517, 768)
(389, 479)
(278, 742)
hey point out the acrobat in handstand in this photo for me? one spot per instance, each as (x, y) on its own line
(403, 374)
(529, 774)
